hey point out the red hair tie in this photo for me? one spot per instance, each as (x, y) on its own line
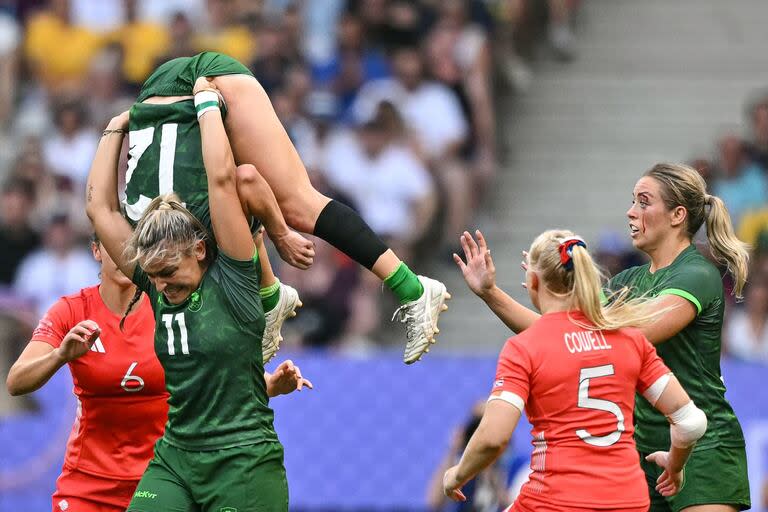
(566, 251)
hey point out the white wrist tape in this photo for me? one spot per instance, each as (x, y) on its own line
(205, 101)
(688, 425)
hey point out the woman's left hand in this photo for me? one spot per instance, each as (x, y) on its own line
(286, 379)
(451, 487)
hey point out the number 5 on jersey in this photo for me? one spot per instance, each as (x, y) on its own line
(587, 402)
(168, 320)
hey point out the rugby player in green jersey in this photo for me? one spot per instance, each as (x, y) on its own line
(670, 204)
(219, 450)
(164, 157)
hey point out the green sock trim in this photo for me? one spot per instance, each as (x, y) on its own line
(404, 284)
(270, 296)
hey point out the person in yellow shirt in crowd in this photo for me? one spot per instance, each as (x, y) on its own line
(59, 52)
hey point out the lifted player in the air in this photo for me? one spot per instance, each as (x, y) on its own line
(165, 157)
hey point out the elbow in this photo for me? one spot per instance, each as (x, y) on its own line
(13, 387)
(224, 178)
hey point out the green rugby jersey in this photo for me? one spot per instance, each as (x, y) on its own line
(210, 349)
(165, 153)
(693, 354)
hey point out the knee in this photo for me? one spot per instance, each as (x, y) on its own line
(247, 176)
(302, 210)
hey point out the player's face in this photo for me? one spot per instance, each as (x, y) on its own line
(177, 281)
(649, 220)
(109, 270)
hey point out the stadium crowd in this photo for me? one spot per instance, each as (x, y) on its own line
(390, 104)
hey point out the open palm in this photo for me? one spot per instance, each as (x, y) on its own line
(479, 271)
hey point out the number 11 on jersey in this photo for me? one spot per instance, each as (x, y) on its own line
(168, 321)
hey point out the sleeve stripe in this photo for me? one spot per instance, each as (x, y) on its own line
(684, 294)
(510, 398)
(654, 391)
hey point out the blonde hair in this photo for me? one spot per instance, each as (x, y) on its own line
(683, 186)
(166, 233)
(581, 282)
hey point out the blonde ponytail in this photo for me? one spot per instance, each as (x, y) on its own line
(726, 247)
(581, 282)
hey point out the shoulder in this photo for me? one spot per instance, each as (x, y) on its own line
(626, 276)
(695, 268)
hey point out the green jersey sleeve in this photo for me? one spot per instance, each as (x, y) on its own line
(239, 281)
(698, 282)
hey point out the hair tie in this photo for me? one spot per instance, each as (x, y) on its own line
(707, 200)
(566, 251)
(164, 206)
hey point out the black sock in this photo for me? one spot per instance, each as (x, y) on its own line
(343, 228)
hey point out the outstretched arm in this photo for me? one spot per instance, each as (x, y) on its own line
(101, 203)
(230, 226)
(480, 274)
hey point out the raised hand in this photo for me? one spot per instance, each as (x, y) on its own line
(669, 482)
(294, 249)
(479, 271)
(78, 340)
(286, 379)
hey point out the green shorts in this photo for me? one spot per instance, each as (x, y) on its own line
(247, 478)
(713, 476)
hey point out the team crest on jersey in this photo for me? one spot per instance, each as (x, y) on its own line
(63, 504)
(498, 383)
(195, 304)
(227, 509)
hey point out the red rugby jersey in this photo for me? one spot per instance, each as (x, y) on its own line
(578, 389)
(119, 384)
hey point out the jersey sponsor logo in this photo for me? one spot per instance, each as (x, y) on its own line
(498, 383)
(585, 341)
(145, 494)
(63, 504)
(98, 346)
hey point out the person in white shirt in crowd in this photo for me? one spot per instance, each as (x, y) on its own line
(69, 151)
(439, 129)
(746, 331)
(386, 181)
(56, 269)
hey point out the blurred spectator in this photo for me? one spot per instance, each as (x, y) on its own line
(9, 41)
(746, 331)
(704, 166)
(56, 269)
(271, 62)
(182, 39)
(433, 114)
(459, 55)
(224, 33)
(614, 253)
(142, 42)
(101, 16)
(57, 50)
(757, 148)
(327, 292)
(387, 182)
(69, 151)
(106, 92)
(164, 12)
(486, 493)
(17, 238)
(740, 183)
(353, 64)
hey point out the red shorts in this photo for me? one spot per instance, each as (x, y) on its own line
(81, 492)
(528, 504)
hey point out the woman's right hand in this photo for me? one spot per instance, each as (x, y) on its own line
(78, 340)
(479, 271)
